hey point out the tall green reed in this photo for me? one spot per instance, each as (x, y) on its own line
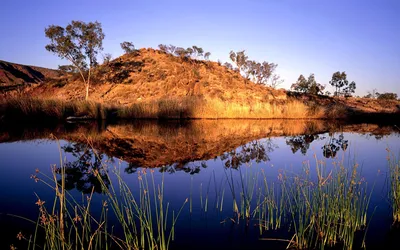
(144, 217)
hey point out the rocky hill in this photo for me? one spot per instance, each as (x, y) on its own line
(12, 74)
(153, 84)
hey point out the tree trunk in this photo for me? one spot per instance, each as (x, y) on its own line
(87, 84)
(87, 92)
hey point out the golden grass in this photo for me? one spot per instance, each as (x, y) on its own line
(35, 109)
(192, 107)
(184, 108)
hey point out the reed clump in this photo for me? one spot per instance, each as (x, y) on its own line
(321, 206)
(394, 181)
(144, 219)
(39, 109)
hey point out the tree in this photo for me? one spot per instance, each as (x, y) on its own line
(387, 96)
(240, 59)
(309, 86)
(189, 51)
(106, 58)
(128, 47)
(171, 49)
(301, 85)
(264, 71)
(228, 66)
(163, 48)
(314, 87)
(181, 52)
(250, 68)
(197, 51)
(350, 89)
(372, 94)
(67, 68)
(79, 43)
(207, 55)
(339, 80)
(276, 81)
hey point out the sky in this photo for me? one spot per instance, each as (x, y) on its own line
(360, 37)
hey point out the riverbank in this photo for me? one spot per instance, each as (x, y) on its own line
(17, 109)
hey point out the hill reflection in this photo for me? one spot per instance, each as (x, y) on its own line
(174, 144)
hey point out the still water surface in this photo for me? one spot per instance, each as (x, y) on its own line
(204, 161)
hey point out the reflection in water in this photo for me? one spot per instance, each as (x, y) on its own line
(191, 146)
(80, 173)
(302, 142)
(159, 144)
(254, 151)
(334, 145)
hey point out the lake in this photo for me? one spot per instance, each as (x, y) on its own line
(220, 184)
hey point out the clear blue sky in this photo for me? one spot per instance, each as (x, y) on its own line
(361, 37)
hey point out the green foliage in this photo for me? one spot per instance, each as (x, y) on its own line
(163, 48)
(261, 73)
(264, 71)
(207, 55)
(372, 94)
(309, 86)
(228, 66)
(339, 80)
(79, 43)
(301, 85)
(128, 47)
(181, 52)
(107, 58)
(193, 52)
(67, 68)
(387, 96)
(240, 59)
(349, 89)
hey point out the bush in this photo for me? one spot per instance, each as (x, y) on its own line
(387, 96)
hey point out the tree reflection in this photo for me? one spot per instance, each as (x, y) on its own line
(190, 168)
(187, 167)
(82, 172)
(330, 149)
(253, 151)
(301, 142)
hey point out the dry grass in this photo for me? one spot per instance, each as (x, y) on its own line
(184, 108)
(192, 107)
(37, 110)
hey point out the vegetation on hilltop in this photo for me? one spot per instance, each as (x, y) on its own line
(174, 82)
(79, 43)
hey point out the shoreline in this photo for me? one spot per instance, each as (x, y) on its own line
(25, 109)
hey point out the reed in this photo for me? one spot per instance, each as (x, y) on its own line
(323, 207)
(394, 182)
(145, 219)
(329, 210)
(26, 108)
(40, 109)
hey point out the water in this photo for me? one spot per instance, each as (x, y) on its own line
(213, 160)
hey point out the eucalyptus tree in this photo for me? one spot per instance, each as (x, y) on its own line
(78, 42)
(301, 85)
(207, 55)
(240, 59)
(197, 51)
(309, 85)
(339, 80)
(264, 71)
(107, 57)
(163, 48)
(171, 49)
(127, 47)
(228, 66)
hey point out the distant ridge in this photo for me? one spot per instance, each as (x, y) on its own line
(12, 74)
